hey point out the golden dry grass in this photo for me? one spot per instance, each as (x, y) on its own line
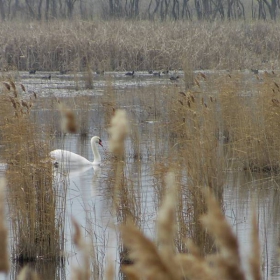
(30, 184)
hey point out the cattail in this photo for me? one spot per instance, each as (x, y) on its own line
(118, 131)
(181, 102)
(276, 85)
(35, 94)
(181, 92)
(4, 256)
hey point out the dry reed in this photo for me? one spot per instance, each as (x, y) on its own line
(118, 132)
(83, 272)
(141, 45)
(4, 254)
(30, 187)
(68, 120)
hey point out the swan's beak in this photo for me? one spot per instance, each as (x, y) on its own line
(100, 143)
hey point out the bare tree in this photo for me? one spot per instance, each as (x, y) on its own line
(70, 7)
(2, 10)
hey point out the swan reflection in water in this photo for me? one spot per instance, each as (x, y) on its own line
(63, 174)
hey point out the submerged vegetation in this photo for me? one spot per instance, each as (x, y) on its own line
(175, 143)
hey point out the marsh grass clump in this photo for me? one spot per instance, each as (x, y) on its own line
(251, 124)
(198, 158)
(36, 226)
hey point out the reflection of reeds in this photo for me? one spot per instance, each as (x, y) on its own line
(83, 272)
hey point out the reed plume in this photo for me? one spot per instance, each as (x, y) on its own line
(228, 261)
(68, 119)
(27, 274)
(118, 132)
(83, 272)
(147, 261)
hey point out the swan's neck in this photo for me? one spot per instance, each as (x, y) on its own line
(96, 155)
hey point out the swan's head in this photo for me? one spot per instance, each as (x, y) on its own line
(97, 140)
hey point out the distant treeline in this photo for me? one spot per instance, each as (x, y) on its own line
(139, 9)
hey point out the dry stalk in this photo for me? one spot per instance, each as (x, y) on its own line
(4, 255)
(228, 263)
(83, 272)
(166, 219)
(255, 258)
(118, 131)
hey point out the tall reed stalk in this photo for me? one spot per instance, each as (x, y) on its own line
(36, 222)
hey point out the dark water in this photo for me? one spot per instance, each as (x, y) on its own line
(89, 194)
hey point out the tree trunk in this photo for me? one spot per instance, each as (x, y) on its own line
(2, 10)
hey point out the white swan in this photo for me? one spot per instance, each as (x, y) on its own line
(71, 159)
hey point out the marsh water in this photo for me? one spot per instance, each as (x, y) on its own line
(89, 192)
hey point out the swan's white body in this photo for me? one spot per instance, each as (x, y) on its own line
(63, 157)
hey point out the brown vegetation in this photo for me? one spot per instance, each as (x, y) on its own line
(202, 127)
(122, 45)
(32, 198)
